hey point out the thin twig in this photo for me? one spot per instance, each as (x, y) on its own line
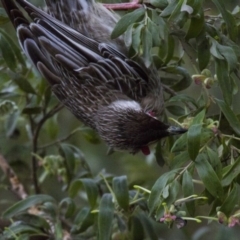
(36, 132)
(64, 138)
(17, 186)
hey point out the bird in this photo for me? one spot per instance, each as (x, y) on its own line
(69, 43)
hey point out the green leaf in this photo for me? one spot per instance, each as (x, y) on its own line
(231, 201)
(179, 160)
(215, 161)
(70, 207)
(23, 84)
(185, 81)
(183, 98)
(7, 107)
(194, 140)
(229, 55)
(203, 52)
(90, 187)
(11, 122)
(8, 53)
(208, 176)
(126, 21)
(68, 154)
(147, 47)
(155, 198)
(23, 205)
(3, 16)
(148, 227)
(198, 119)
(176, 110)
(230, 172)
(188, 190)
(136, 227)
(120, 189)
(228, 18)
(224, 80)
(158, 155)
(159, 3)
(136, 37)
(14, 47)
(32, 110)
(105, 217)
(21, 228)
(34, 220)
(180, 144)
(230, 115)
(196, 26)
(83, 220)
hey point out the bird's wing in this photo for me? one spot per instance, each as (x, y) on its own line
(58, 51)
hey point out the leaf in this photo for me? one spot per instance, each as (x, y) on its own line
(11, 122)
(196, 26)
(70, 207)
(90, 187)
(136, 37)
(147, 47)
(224, 80)
(23, 84)
(203, 50)
(215, 161)
(228, 18)
(7, 107)
(188, 190)
(105, 217)
(229, 55)
(231, 200)
(3, 16)
(8, 53)
(34, 220)
(23, 205)
(14, 47)
(83, 220)
(155, 198)
(32, 110)
(136, 228)
(183, 98)
(180, 144)
(179, 160)
(158, 155)
(186, 78)
(120, 189)
(21, 228)
(176, 110)
(159, 3)
(230, 115)
(230, 172)
(148, 227)
(68, 154)
(208, 176)
(126, 21)
(194, 140)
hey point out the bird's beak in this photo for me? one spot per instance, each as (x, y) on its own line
(176, 130)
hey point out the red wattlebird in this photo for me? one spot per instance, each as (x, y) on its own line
(70, 45)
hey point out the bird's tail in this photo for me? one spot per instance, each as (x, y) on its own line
(88, 17)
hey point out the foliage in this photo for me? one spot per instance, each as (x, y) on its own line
(203, 165)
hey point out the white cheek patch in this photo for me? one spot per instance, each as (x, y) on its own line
(126, 104)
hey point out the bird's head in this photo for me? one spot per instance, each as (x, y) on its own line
(124, 125)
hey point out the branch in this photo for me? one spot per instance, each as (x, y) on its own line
(17, 186)
(36, 131)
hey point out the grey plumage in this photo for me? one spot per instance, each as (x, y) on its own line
(89, 73)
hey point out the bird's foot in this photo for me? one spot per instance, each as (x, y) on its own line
(123, 6)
